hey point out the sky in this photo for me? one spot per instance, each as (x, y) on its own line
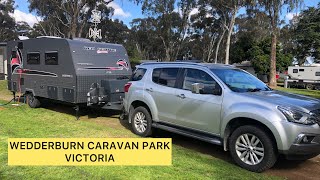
(125, 11)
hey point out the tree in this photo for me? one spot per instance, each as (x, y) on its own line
(251, 27)
(7, 27)
(206, 31)
(171, 24)
(259, 55)
(273, 8)
(144, 38)
(68, 18)
(306, 34)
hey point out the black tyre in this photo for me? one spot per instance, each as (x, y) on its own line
(32, 101)
(141, 121)
(252, 148)
(317, 87)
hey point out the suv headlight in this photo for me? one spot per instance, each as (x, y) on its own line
(297, 116)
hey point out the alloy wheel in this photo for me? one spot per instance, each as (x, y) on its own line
(249, 149)
(140, 122)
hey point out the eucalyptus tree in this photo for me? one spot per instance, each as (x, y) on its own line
(145, 39)
(208, 31)
(172, 22)
(306, 34)
(7, 22)
(273, 8)
(67, 17)
(225, 12)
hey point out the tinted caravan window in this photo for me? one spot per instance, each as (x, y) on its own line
(317, 73)
(295, 71)
(51, 58)
(33, 58)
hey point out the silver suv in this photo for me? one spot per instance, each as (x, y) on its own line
(227, 106)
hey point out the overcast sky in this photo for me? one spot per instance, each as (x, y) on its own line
(124, 10)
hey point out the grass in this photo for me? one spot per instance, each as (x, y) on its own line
(311, 93)
(4, 93)
(24, 122)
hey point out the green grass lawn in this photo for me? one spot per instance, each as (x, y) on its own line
(312, 93)
(24, 122)
(4, 93)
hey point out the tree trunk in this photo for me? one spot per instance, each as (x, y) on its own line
(272, 75)
(230, 30)
(218, 46)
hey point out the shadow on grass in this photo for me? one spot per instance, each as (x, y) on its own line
(194, 144)
(69, 109)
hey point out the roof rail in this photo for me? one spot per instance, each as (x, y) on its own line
(184, 63)
(53, 37)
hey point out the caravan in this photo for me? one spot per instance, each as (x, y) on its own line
(306, 76)
(72, 71)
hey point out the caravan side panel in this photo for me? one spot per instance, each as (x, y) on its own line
(46, 70)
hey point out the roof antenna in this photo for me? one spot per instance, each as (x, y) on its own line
(94, 32)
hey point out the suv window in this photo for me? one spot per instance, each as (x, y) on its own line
(165, 76)
(198, 76)
(138, 74)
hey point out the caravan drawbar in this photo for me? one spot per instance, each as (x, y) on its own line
(72, 71)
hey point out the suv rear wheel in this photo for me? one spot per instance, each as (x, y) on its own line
(252, 148)
(141, 122)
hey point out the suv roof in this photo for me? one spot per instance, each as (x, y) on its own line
(207, 65)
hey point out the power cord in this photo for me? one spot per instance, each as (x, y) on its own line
(7, 102)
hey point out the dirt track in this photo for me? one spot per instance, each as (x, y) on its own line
(309, 169)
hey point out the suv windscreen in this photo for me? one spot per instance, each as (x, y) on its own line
(240, 81)
(138, 74)
(197, 76)
(165, 76)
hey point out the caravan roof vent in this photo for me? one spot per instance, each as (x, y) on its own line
(53, 37)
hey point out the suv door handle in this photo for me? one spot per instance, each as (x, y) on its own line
(149, 89)
(182, 96)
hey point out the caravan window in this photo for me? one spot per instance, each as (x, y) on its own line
(295, 71)
(318, 73)
(33, 58)
(51, 58)
(301, 70)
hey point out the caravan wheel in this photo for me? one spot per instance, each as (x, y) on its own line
(32, 101)
(317, 87)
(309, 86)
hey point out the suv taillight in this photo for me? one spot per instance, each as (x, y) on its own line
(126, 87)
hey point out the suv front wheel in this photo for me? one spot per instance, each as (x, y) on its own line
(141, 121)
(252, 148)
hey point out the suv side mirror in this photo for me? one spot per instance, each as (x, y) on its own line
(217, 91)
(197, 87)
